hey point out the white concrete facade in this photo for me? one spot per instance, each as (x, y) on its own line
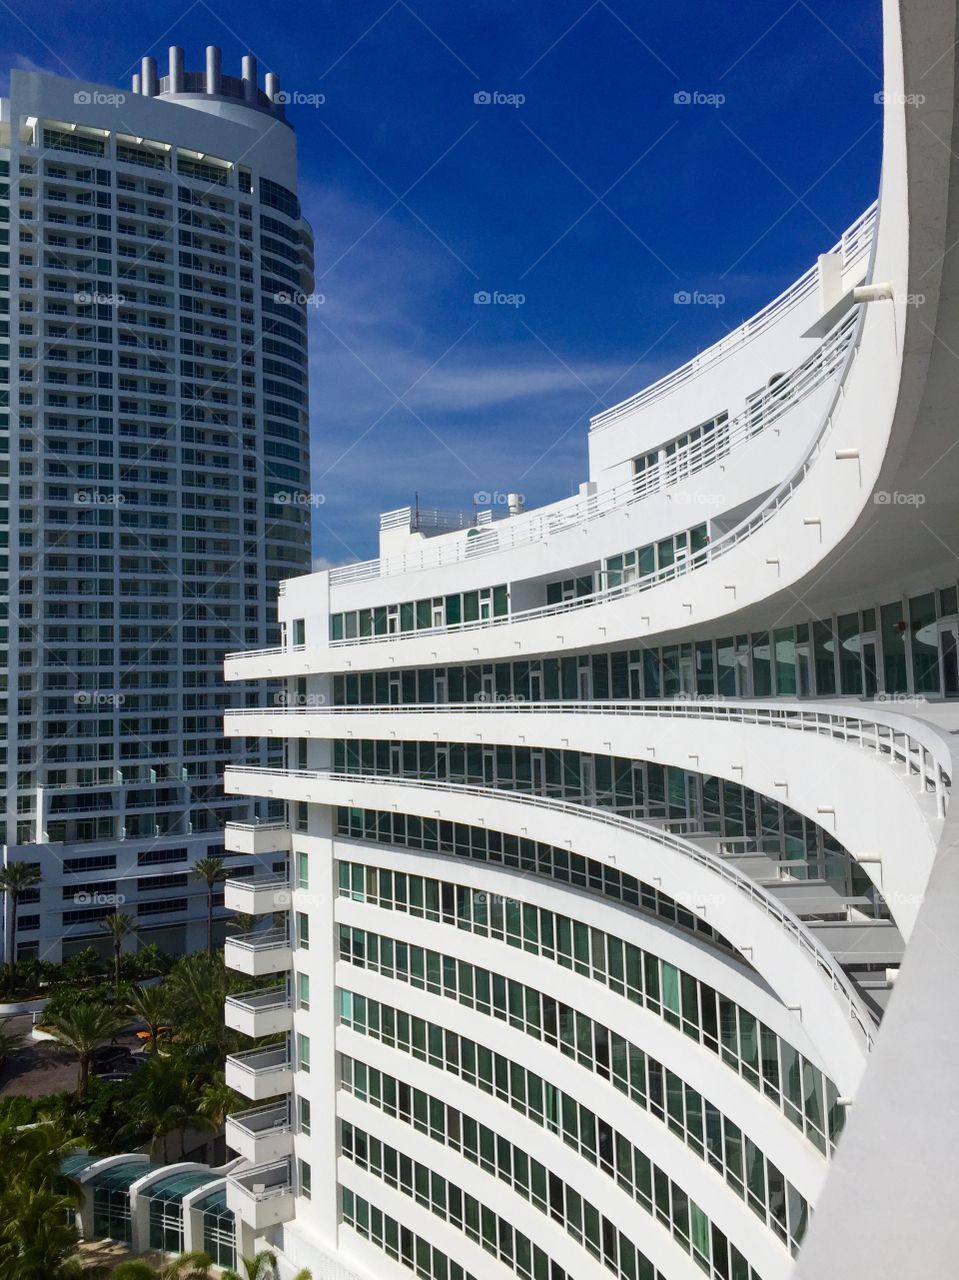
(620, 830)
(156, 430)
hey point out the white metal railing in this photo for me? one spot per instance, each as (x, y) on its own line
(760, 414)
(269, 880)
(264, 1181)
(929, 760)
(855, 243)
(273, 1118)
(260, 1001)
(764, 513)
(267, 941)
(697, 560)
(424, 518)
(257, 1061)
(256, 826)
(826, 964)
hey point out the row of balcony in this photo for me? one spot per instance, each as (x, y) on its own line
(263, 1194)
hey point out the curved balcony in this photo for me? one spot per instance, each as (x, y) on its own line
(901, 762)
(744, 911)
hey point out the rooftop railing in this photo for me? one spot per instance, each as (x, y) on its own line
(854, 245)
(682, 565)
(760, 415)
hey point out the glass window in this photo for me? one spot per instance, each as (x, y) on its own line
(925, 643)
(850, 653)
(824, 657)
(762, 677)
(894, 629)
(784, 642)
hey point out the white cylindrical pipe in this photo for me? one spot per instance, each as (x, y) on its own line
(148, 76)
(249, 77)
(272, 85)
(136, 82)
(176, 69)
(212, 69)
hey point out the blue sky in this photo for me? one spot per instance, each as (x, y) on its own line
(597, 199)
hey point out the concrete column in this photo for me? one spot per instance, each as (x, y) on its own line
(139, 1223)
(212, 69)
(84, 1215)
(245, 1239)
(176, 69)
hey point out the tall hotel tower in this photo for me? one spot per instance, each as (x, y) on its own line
(155, 441)
(620, 932)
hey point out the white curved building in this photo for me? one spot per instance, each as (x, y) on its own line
(612, 825)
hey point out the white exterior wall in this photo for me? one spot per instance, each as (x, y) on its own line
(822, 534)
(130, 659)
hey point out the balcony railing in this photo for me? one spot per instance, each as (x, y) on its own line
(269, 940)
(253, 1002)
(918, 749)
(271, 1119)
(257, 837)
(269, 880)
(825, 963)
(258, 895)
(263, 1195)
(261, 1062)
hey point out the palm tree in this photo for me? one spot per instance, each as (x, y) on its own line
(217, 1100)
(262, 1267)
(37, 1242)
(83, 1028)
(242, 921)
(119, 926)
(197, 986)
(151, 1004)
(162, 1102)
(213, 871)
(15, 879)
